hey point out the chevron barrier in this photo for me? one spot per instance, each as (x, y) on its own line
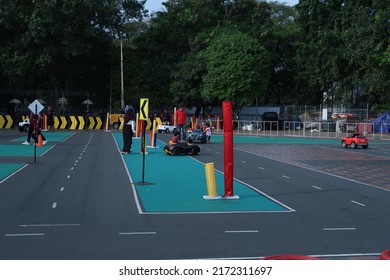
(73, 122)
(60, 122)
(6, 122)
(77, 122)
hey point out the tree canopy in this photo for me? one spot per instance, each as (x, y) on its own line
(237, 68)
(201, 52)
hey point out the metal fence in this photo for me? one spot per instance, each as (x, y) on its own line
(306, 129)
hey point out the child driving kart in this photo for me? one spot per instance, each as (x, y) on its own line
(175, 138)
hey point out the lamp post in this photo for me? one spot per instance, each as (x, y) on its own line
(122, 83)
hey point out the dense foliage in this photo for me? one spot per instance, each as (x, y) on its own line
(199, 52)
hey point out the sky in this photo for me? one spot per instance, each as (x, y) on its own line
(155, 5)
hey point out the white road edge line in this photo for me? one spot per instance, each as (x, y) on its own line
(23, 234)
(49, 225)
(336, 229)
(242, 231)
(137, 233)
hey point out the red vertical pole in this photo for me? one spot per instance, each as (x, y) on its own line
(44, 121)
(143, 150)
(228, 146)
(143, 140)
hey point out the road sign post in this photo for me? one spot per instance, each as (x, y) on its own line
(143, 115)
(36, 107)
(36, 136)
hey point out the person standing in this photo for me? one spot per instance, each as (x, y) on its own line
(181, 121)
(34, 129)
(30, 129)
(50, 119)
(38, 130)
(128, 129)
(208, 133)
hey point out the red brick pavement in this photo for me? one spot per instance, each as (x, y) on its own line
(347, 163)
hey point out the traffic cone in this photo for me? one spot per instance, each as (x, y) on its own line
(40, 141)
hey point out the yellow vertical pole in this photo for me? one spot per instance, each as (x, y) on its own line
(107, 126)
(153, 134)
(174, 116)
(210, 181)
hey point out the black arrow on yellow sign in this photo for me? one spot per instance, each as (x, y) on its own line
(144, 108)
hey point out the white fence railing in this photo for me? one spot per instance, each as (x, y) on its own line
(307, 129)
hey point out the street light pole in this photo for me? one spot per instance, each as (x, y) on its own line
(122, 83)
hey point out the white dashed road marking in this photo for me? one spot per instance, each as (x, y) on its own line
(358, 203)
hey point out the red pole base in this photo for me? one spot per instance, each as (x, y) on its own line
(289, 257)
(385, 255)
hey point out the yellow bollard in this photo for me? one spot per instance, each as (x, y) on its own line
(107, 124)
(210, 181)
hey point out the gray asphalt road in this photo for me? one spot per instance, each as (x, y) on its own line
(77, 203)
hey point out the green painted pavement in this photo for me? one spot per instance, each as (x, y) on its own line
(22, 150)
(8, 169)
(50, 136)
(178, 184)
(17, 149)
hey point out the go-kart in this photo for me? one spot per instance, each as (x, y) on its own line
(181, 148)
(196, 135)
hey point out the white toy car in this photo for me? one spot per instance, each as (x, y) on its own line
(24, 125)
(248, 127)
(166, 128)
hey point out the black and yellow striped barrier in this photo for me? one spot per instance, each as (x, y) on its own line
(60, 122)
(95, 123)
(6, 122)
(148, 124)
(81, 122)
(73, 122)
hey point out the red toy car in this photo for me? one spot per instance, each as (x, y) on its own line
(354, 141)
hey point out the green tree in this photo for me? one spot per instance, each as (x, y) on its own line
(281, 41)
(187, 81)
(343, 44)
(61, 44)
(166, 46)
(237, 68)
(320, 53)
(177, 35)
(366, 32)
